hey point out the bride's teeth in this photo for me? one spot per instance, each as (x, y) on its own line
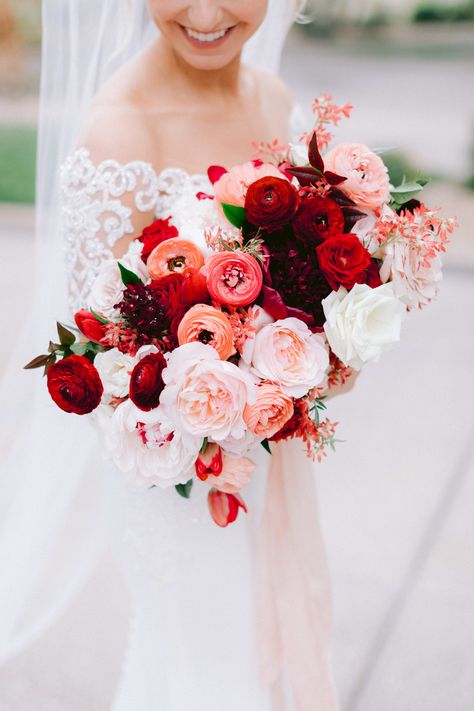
(205, 37)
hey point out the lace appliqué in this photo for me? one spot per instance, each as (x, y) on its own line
(93, 215)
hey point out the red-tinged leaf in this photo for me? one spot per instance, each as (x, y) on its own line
(333, 178)
(37, 362)
(215, 172)
(305, 176)
(66, 337)
(340, 197)
(352, 217)
(315, 157)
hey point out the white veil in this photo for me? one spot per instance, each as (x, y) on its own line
(52, 493)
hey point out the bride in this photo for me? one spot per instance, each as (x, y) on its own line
(139, 98)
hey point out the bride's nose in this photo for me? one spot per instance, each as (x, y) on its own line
(205, 15)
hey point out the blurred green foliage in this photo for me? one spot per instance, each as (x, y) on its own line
(17, 163)
(441, 12)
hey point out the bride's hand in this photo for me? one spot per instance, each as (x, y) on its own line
(342, 389)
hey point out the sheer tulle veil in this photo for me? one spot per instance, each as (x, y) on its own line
(52, 495)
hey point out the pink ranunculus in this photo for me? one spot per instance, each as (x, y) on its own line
(288, 353)
(206, 396)
(235, 474)
(271, 410)
(232, 186)
(208, 325)
(367, 182)
(233, 278)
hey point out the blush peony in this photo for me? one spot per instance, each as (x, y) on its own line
(362, 323)
(206, 396)
(415, 282)
(209, 326)
(233, 278)
(367, 182)
(271, 410)
(287, 353)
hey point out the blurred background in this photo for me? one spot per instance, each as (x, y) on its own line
(397, 499)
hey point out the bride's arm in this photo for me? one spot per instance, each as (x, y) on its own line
(342, 389)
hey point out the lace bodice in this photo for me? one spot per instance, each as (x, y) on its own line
(95, 215)
(98, 202)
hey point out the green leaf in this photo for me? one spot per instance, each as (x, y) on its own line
(66, 338)
(37, 362)
(99, 318)
(128, 277)
(266, 445)
(184, 490)
(235, 214)
(205, 442)
(79, 348)
(407, 190)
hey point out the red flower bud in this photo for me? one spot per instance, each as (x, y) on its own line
(90, 326)
(210, 463)
(75, 385)
(224, 507)
(146, 383)
(156, 233)
(194, 288)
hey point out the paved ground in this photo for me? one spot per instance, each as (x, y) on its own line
(396, 500)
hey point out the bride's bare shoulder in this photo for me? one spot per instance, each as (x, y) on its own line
(115, 125)
(273, 89)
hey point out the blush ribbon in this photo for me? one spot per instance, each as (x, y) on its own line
(294, 592)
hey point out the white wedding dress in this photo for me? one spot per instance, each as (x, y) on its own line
(193, 638)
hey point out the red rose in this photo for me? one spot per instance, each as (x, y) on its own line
(271, 202)
(75, 385)
(344, 261)
(373, 275)
(90, 326)
(318, 218)
(155, 234)
(224, 507)
(146, 383)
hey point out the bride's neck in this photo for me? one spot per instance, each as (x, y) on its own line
(202, 84)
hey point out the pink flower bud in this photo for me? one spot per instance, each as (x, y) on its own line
(224, 507)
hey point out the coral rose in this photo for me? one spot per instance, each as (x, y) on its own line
(233, 278)
(156, 233)
(367, 182)
(318, 218)
(209, 326)
(232, 186)
(344, 261)
(271, 202)
(174, 255)
(271, 410)
(224, 507)
(286, 352)
(146, 382)
(204, 395)
(75, 385)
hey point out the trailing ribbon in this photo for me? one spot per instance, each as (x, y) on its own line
(294, 589)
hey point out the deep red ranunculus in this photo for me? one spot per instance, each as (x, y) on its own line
(156, 233)
(224, 507)
(344, 261)
(271, 202)
(317, 219)
(75, 385)
(168, 290)
(90, 326)
(146, 383)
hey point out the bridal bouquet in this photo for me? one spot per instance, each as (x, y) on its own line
(194, 352)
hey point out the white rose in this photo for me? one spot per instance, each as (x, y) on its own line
(299, 154)
(288, 353)
(107, 288)
(414, 282)
(115, 369)
(147, 445)
(363, 323)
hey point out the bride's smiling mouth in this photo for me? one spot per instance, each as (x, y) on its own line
(206, 40)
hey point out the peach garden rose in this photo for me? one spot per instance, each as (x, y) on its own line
(367, 182)
(271, 410)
